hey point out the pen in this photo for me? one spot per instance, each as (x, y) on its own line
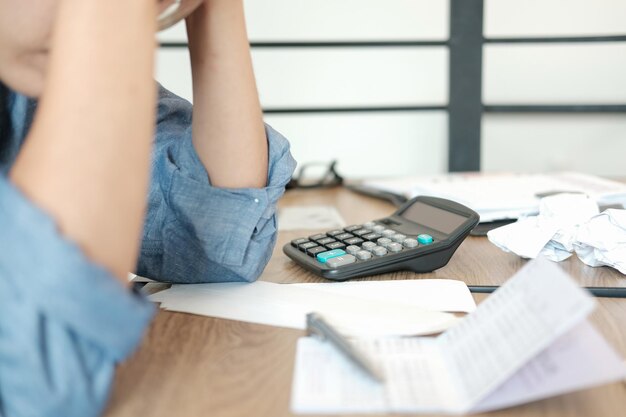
(613, 292)
(316, 325)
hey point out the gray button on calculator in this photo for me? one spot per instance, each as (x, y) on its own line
(384, 241)
(353, 249)
(379, 251)
(369, 225)
(363, 255)
(340, 261)
(388, 232)
(378, 228)
(398, 237)
(394, 247)
(369, 245)
(409, 243)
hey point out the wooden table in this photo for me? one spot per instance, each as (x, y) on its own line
(200, 366)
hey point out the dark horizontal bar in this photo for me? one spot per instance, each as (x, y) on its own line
(329, 44)
(559, 39)
(304, 110)
(556, 108)
(611, 292)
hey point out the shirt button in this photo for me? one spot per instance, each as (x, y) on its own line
(256, 200)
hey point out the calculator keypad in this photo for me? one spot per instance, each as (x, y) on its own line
(358, 243)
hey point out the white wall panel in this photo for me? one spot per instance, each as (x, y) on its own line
(333, 76)
(173, 70)
(305, 20)
(369, 144)
(555, 73)
(589, 143)
(524, 18)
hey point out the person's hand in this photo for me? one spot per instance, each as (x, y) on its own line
(169, 15)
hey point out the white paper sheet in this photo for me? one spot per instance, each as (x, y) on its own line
(309, 218)
(430, 294)
(579, 359)
(498, 196)
(537, 316)
(286, 305)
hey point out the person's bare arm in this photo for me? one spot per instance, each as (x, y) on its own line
(86, 159)
(228, 131)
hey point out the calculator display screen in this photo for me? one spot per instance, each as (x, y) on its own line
(433, 217)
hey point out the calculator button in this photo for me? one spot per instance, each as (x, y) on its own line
(368, 245)
(369, 225)
(372, 236)
(362, 232)
(394, 247)
(353, 227)
(304, 246)
(341, 261)
(409, 243)
(335, 232)
(315, 250)
(384, 241)
(353, 241)
(425, 239)
(379, 251)
(300, 241)
(325, 256)
(352, 249)
(363, 255)
(388, 232)
(317, 237)
(344, 236)
(398, 237)
(336, 245)
(326, 241)
(378, 228)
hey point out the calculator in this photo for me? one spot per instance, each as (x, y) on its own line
(421, 236)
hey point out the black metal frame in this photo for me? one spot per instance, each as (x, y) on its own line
(465, 107)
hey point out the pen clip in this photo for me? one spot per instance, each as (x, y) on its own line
(311, 326)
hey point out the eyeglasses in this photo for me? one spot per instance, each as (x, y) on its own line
(175, 10)
(316, 175)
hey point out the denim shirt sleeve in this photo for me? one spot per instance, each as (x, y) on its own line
(195, 232)
(65, 322)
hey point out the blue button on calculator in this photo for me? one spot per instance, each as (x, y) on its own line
(324, 256)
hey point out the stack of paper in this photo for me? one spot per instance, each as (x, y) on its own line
(527, 341)
(505, 195)
(370, 309)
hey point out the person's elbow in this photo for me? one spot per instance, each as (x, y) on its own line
(257, 254)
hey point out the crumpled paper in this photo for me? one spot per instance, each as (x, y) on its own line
(568, 223)
(602, 240)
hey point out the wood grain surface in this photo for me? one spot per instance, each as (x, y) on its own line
(192, 366)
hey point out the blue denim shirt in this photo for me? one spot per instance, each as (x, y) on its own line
(65, 322)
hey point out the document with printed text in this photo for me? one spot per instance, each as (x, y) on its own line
(527, 341)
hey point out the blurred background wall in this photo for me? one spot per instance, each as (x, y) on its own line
(366, 82)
